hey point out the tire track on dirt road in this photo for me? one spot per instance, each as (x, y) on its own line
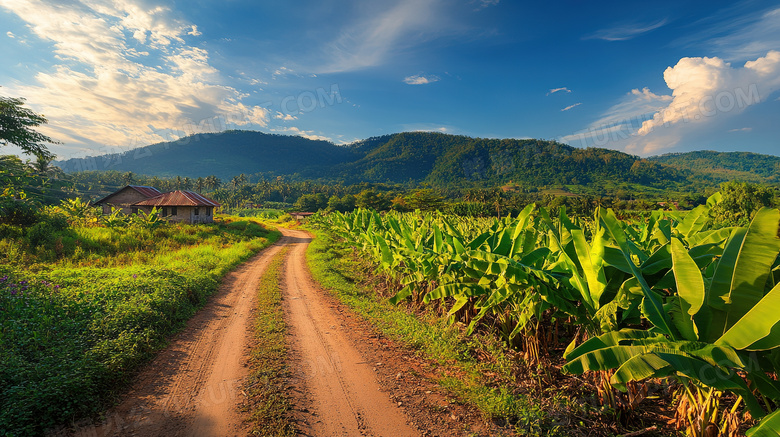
(193, 387)
(336, 385)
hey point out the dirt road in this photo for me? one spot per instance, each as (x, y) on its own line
(192, 388)
(335, 382)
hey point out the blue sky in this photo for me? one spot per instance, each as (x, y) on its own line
(645, 79)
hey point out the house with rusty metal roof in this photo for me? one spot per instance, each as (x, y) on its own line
(124, 198)
(181, 206)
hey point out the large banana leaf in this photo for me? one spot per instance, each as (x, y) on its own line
(694, 221)
(693, 368)
(651, 305)
(769, 426)
(591, 261)
(738, 283)
(756, 257)
(759, 328)
(608, 339)
(690, 285)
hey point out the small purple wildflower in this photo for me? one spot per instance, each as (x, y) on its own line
(134, 276)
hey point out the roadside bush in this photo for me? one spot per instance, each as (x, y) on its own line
(40, 234)
(10, 231)
(18, 212)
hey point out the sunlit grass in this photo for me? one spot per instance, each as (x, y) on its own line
(74, 329)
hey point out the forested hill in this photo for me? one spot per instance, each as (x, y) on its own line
(417, 157)
(223, 154)
(441, 159)
(746, 166)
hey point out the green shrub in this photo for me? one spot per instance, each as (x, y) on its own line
(40, 234)
(18, 212)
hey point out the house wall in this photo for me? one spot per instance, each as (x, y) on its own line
(122, 200)
(186, 214)
(205, 215)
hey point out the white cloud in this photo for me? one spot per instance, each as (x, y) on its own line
(140, 35)
(369, 41)
(99, 93)
(704, 91)
(282, 71)
(10, 34)
(744, 129)
(737, 35)
(303, 133)
(194, 31)
(558, 90)
(429, 127)
(441, 129)
(421, 79)
(482, 4)
(626, 32)
(571, 107)
(703, 88)
(619, 121)
(284, 117)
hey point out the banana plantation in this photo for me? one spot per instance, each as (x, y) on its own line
(675, 297)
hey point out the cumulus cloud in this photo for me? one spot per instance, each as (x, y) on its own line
(421, 79)
(124, 74)
(704, 91)
(703, 88)
(571, 107)
(558, 90)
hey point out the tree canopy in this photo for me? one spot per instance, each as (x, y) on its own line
(16, 128)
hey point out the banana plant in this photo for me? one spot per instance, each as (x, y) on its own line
(721, 322)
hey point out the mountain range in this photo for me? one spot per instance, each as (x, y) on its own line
(435, 159)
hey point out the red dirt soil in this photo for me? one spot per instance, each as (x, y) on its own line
(346, 381)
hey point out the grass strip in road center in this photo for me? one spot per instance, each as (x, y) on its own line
(266, 387)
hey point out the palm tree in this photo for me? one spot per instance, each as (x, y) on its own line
(42, 167)
(200, 184)
(213, 182)
(128, 178)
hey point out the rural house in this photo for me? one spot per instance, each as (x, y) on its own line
(300, 215)
(181, 206)
(125, 198)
